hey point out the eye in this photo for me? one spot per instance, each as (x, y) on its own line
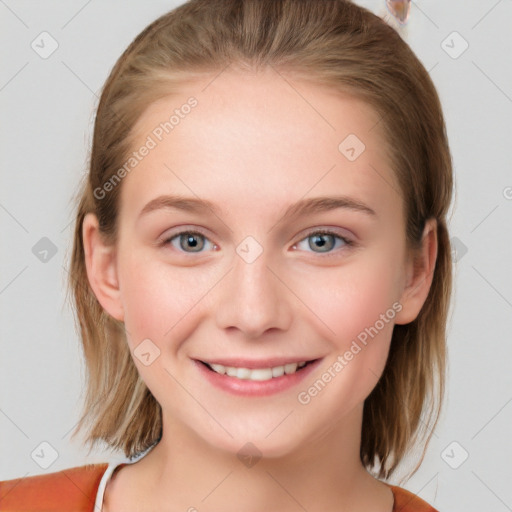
(195, 241)
(185, 240)
(325, 241)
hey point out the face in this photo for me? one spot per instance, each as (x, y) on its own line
(249, 283)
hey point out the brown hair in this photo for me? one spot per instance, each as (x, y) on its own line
(330, 42)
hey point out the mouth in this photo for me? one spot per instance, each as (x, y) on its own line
(255, 371)
(256, 378)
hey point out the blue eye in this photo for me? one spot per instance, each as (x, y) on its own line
(194, 241)
(188, 240)
(324, 240)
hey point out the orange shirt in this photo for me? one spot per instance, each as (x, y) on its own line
(75, 489)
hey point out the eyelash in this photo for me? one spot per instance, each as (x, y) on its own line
(348, 243)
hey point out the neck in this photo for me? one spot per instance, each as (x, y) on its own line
(323, 474)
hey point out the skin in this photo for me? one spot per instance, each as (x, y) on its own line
(254, 145)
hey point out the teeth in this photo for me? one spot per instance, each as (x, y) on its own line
(278, 371)
(218, 368)
(290, 368)
(259, 373)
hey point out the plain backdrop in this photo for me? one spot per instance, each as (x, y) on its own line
(47, 104)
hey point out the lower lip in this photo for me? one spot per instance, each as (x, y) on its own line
(248, 387)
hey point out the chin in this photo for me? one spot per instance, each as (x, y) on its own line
(245, 444)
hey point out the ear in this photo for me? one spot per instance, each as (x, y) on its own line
(419, 275)
(101, 265)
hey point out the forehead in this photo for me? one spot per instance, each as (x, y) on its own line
(261, 137)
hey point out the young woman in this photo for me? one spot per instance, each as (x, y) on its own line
(261, 266)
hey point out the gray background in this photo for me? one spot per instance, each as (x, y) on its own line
(47, 107)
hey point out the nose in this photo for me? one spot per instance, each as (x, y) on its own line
(254, 299)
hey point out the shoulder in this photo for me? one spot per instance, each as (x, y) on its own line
(69, 489)
(406, 501)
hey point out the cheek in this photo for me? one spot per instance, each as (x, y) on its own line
(358, 304)
(156, 301)
(359, 307)
(163, 303)
(353, 297)
(160, 306)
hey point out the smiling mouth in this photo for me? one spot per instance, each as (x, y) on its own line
(258, 374)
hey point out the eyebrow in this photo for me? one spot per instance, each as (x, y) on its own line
(301, 208)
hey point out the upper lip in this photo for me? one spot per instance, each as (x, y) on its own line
(238, 362)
